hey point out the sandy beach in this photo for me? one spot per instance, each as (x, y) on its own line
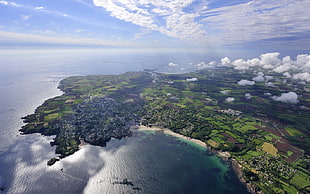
(224, 155)
(169, 132)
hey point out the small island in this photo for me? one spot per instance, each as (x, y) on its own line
(267, 140)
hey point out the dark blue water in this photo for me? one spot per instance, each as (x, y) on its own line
(153, 162)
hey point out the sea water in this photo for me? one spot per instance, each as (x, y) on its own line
(150, 162)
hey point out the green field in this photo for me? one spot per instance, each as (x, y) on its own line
(301, 180)
(293, 132)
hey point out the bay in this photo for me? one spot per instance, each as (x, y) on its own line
(152, 162)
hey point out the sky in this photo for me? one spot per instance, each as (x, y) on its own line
(261, 25)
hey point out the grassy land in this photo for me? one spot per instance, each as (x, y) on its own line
(301, 180)
(268, 138)
(268, 147)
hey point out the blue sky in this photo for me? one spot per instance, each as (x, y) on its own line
(266, 25)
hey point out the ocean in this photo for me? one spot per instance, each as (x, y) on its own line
(148, 162)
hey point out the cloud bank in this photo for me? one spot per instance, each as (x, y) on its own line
(296, 69)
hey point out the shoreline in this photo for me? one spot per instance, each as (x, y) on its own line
(169, 132)
(225, 156)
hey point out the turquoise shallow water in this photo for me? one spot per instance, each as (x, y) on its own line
(181, 167)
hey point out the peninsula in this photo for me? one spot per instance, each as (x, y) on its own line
(267, 138)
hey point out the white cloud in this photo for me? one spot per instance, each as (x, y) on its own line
(259, 78)
(4, 3)
(240, 64)
(199, 21)
(160, 11)
(192, 79)
(127, 11)
(212, 63)
(203, 65)
(167, 17)
(38, 8)
(271, 62)
(265, 61)
(245, 82)
(268, 77)
(172, 64)
(248, 96)
(225, 92)
(305, 76)
(14, 4)
(298, 69)
(259, 20)
(254, 62)
(7, 3)
(270, 58)
(260, 74)
(267, 66)
(25, 17)
(302, 59)
(230, 99)
(225, 61)
(267, 94)
(287, 75)
(303, 62)
(283, 68)
(181, 25)
(290, 97)
(269, 84)
(287, 59)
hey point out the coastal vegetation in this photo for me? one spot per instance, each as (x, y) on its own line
(268, 139)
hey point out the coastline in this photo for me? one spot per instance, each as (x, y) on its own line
(225, 156)
(169, 132)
